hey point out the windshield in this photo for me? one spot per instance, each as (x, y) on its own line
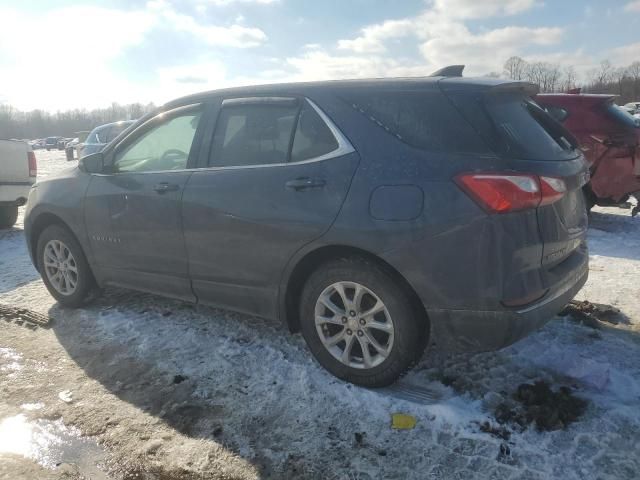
(622, 116)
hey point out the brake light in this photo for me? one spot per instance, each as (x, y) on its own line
(33, 164)
(503, 193)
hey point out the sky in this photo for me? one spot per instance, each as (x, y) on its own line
(63, 54)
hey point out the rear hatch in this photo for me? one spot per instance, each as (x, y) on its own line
(14, 162)
(531, 142)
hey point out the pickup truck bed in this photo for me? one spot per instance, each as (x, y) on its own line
(17, 174)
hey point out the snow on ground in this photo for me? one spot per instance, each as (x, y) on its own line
(196, 392)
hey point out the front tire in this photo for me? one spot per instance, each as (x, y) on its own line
(359, 323)
(8, 217)
(64, 267)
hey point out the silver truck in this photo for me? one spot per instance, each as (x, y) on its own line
(18, 170)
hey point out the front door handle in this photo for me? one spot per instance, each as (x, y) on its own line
(303, 183)
(165, 187)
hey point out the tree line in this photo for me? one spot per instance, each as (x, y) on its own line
(605, 78)
(39, 123)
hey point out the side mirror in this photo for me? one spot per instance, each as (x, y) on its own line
(93, 163)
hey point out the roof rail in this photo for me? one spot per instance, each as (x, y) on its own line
(450, 71)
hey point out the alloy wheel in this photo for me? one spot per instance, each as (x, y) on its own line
(354, 325)
(60, 267)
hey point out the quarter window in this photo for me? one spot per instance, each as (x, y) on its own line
(313, 137)
(164, 147)
(422, 120)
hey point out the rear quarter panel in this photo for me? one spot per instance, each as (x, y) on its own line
(452, 253)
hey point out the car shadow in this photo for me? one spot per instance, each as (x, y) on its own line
(602, 225)
(201, 393)
(245, 383)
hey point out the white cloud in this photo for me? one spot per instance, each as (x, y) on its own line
(373, 37)
(65, 57)
(232, 36)
(443, 38)
(625, 54)
(487, 51)
(483, 8)
(632, 6)
(222, 3)
(180, 80)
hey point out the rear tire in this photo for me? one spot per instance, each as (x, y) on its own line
(64, 267)
(394, 337)
(8, 217)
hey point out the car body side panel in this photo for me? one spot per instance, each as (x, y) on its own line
(62, 196)
(453, 253)
(243, 224)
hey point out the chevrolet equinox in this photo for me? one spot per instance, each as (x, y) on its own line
(374, 216)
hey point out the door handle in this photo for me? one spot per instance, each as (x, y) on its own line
(303, 183)
(165, 187)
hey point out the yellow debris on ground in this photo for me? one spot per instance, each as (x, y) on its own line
(402, 421)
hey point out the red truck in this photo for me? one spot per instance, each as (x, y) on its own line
(610, 139)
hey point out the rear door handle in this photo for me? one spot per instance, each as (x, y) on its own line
(165, 187)
(303, 183)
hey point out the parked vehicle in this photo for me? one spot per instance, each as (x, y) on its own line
(610, 138)
(633, 108)
(72, 149)
(372, 215)
(37, 144)
(18, 170)
(51, 143)
(101, 136)
(62, 142)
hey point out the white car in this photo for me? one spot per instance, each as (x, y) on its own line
(18, 171)
(633, 108)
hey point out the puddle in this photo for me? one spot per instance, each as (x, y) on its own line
(51, 444)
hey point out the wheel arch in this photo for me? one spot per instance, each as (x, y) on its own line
(38, 226)
(292, 288)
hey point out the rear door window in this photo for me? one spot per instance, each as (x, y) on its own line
(424, 120)
(253, 133)
(260, 131)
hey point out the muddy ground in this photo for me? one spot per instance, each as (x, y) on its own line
(138, 387)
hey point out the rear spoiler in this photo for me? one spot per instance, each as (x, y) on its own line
(453, 80)
(520, 87)
(449, 71)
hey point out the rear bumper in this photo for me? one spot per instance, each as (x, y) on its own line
(14, 194)
(476, 331)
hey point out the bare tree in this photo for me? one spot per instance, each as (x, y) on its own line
(601, 76)
(633, 71)
(515, 68)
(545, 75)
(618, 76)
(568, 78)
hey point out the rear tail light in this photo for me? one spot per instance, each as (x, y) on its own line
(503, 193)
(552, 189)
(33, 164)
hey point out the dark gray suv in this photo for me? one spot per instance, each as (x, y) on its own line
(374, 216)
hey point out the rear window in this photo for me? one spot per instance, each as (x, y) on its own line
(116, 130)
(423, 120)
(98, 135)
(516, 127)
